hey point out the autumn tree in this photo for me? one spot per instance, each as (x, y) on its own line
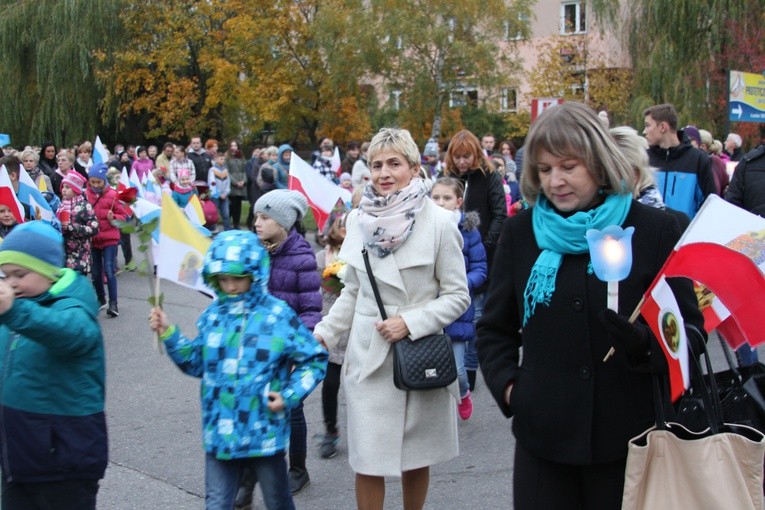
(46, 50)
(160, 79)
(300, 67)
(573, 67)
(232, 68)
(426, 50)
(677, 49)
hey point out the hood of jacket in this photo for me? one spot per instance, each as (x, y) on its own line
(70, 286)
(282, 149)
(237, 253)
(470, 221)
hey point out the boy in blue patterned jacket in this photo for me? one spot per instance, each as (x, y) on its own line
(248, 344)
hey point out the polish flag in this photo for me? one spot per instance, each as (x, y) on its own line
(124, 182)
(8, 197)
(662, 314)
(322, 195)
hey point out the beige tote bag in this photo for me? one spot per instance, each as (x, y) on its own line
(675, 469)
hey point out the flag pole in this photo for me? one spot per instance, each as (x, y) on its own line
(157, 341)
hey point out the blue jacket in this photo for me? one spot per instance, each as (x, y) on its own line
(463, 329)
(238, 368)
(52, 423)
(684, 175)
(282, 167)
(295, 278)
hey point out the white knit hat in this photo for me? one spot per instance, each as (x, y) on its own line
(283, 206)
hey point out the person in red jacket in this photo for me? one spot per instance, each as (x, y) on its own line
(108, 208)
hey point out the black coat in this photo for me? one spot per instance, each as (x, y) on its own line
(747, 188)
(485, 194)
(570, 406)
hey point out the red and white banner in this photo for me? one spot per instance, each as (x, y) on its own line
(662, 314)
(723, 250)
(322, 195)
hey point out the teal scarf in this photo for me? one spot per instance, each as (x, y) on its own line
(557, 235)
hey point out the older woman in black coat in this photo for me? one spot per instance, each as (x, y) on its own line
(573, 412)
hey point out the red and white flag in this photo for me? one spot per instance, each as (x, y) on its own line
(322, 195)
(662, 314)
(336, 163)
(723, 250)
(8, 196)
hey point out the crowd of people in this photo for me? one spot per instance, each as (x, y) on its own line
(479, 239)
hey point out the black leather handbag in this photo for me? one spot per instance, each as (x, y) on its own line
(739, 390)
(421, 364)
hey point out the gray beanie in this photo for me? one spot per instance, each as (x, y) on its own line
(283, 206)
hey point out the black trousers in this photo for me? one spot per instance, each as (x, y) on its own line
(65, 495)
(329, 390)
(539, 484)
(298, 433)
(235, 210)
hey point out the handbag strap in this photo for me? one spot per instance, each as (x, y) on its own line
(373, 282)
(709, 393)
(729, 357)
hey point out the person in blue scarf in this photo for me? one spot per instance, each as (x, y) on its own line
(257, 361)
(574, 413)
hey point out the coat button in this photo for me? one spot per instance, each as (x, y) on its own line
(584, 373)
(577, 304)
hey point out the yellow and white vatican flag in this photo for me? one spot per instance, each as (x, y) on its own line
(182, 248)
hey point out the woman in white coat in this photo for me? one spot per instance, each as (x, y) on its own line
(415, 254)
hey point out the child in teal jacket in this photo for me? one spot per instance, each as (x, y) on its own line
(53, 442)
(248, 344)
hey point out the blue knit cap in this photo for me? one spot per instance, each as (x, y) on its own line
(36, 246)
(98, 170)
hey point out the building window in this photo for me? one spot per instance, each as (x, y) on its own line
(572, 18)
(395, 100)
(517, 33)
(463, 97)
(508, 100)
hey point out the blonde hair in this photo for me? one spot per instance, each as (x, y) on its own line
(85, 146)
(574, 130)
(30, 153)
(67, 154)
(634, 147)
(396, 139)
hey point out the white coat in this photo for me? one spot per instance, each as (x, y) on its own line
(423, 281)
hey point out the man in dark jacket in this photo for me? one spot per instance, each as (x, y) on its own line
(747, 190)
(684, 174)
(747, 187)
(199, 157)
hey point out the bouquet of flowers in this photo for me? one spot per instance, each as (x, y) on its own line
(332, 277)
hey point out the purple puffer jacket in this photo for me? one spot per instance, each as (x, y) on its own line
(295, 278)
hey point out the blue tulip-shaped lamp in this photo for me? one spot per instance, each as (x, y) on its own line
(611, 256)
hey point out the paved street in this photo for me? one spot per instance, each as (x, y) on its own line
(156, 458)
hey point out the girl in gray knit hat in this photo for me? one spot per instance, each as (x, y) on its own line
(295, 279)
